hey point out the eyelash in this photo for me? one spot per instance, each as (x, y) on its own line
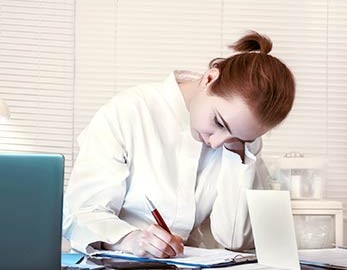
(218, 124)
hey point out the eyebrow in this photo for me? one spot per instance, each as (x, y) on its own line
(228, 128)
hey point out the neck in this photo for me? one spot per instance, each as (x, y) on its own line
(189, 89)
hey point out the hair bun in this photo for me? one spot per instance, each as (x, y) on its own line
(251, 42)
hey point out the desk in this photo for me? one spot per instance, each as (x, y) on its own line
(243, 267)
(66, 248)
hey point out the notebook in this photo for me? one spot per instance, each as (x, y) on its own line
(273, 228)
(192, 257)
(31, 198)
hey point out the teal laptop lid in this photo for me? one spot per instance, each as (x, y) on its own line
(31, 198)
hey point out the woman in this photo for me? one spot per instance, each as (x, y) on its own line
(191, 144)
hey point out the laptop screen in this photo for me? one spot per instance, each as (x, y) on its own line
(31, 198)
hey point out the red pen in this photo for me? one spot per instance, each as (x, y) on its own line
(156, 215)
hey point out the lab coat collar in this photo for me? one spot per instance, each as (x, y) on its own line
(188, 149)
(174, 97)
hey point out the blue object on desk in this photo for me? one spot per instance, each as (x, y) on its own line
(74, 261)
(71, 258)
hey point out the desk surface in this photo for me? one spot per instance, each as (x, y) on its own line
(66, 248)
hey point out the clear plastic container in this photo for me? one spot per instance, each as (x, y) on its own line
(318, 223)
(303, 176)
(314, 231)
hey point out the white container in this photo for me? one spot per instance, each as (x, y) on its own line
(302, 176)
(318, 223)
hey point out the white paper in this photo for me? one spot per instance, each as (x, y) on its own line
(209, 256)
(253, 266)
(192, 255)
(273, 228)
(331, 256)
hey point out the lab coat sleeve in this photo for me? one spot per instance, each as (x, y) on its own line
(97, 186)
(230, 223)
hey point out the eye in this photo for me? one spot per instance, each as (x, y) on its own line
(218, 124)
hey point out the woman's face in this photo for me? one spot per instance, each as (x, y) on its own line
(215, 120)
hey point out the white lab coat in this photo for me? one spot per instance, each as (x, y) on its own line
(140, 143)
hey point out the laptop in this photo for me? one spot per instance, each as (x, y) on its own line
(273, 229)
(31, 199)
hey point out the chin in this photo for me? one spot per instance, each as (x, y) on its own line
(196, 136)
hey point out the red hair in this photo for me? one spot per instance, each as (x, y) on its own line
(261, 80)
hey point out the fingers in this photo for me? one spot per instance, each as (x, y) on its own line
(233, 140)
(178, 245)
(170, 244)
(156, 242)
(152, 242)
(234, 143)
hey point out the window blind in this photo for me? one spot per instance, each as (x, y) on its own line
(36, 76)
(95, 62)
(123, 43)
(337, 101)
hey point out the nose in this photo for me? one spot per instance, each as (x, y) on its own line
(217, 140)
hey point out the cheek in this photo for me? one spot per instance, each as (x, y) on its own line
(194, 115)
(199, 122)
(200, 117)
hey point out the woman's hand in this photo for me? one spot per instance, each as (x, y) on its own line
(236, 146)
(152, 242)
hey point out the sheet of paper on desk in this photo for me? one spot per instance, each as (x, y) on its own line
(192, 256)
(330, 256)
(273, 228)
(253, 266)
(210, 256)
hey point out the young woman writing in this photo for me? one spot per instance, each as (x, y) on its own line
(191, 143)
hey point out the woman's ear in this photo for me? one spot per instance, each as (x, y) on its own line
(210, 77)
